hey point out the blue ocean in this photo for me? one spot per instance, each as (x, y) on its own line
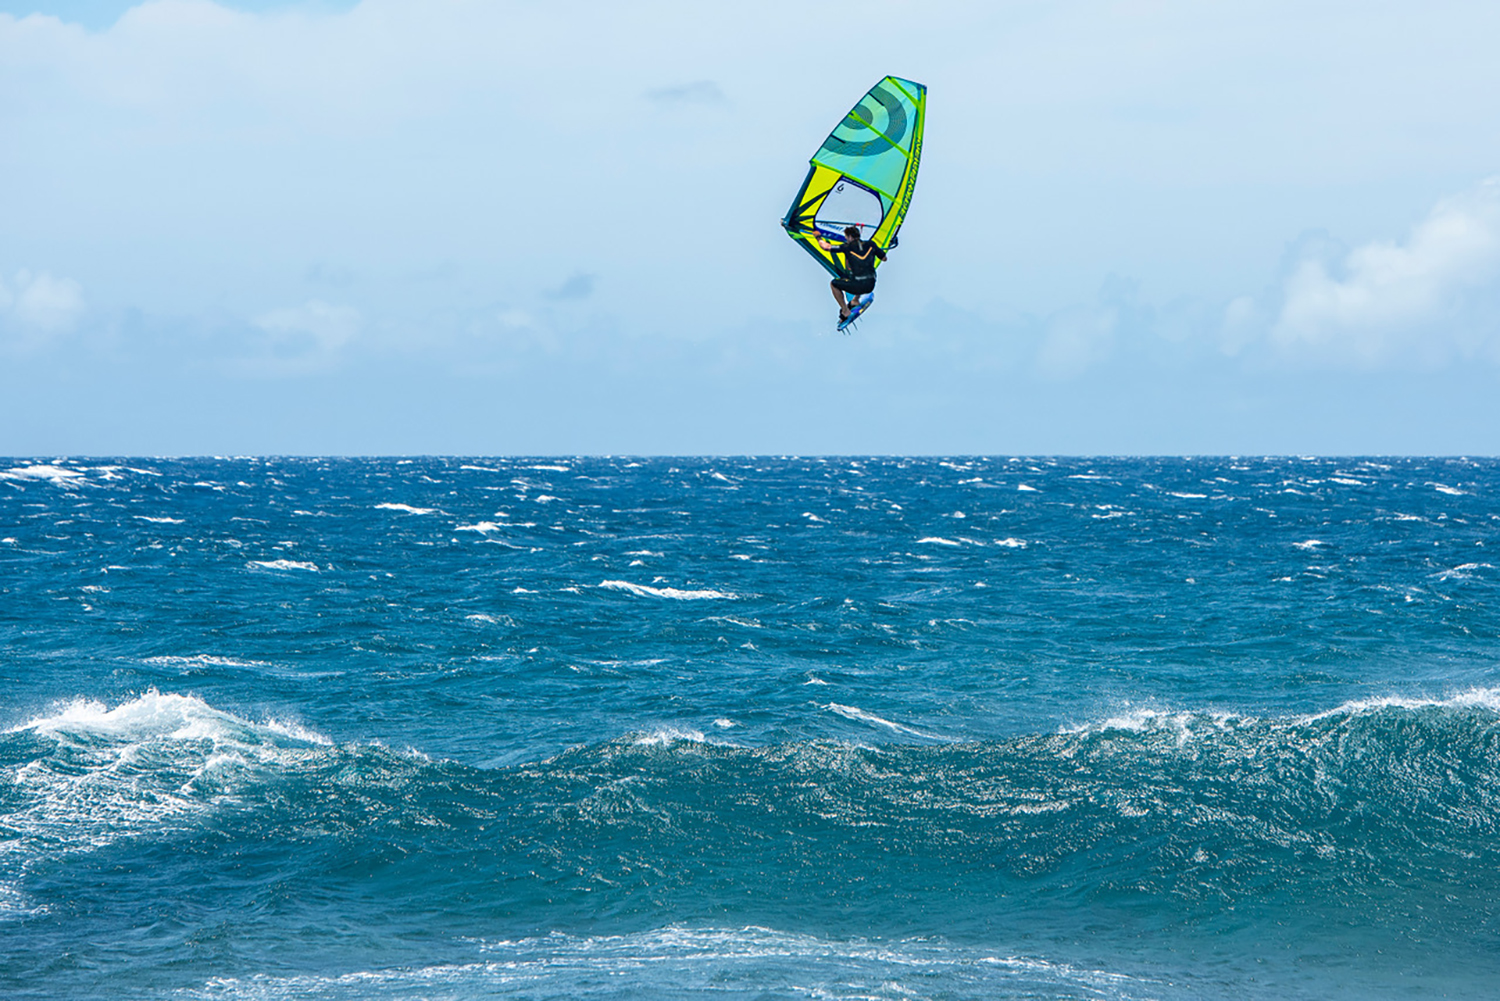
(822, 728)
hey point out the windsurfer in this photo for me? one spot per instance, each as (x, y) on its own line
(859, 267)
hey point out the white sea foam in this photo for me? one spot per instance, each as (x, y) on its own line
(406, 507)
(1451, 491)
(1011, 543)
(1186, 726)
(1462, 572)
(483, 527)
(156, 761)
(57, 475)
(158, 521)
(201, 660)
(1180, 724)
(552, 469)
(1186, 496)
(855, 713)
(678, 594)
(683, 961)
(937, 541)
(668, 735)
(1471, 698)
(1025, 488)
(284, 565)
(1345, 481)
(1309, 544)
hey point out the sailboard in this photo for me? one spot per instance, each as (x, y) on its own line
(857, 306)
(864, 173)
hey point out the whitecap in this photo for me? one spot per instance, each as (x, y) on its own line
(56, 475)
(855, 713)
(700, 961)
(284, 565)
(678, 594)
(483, 527)
(159, 521)
(201, 660)
(1471, 698)
(937, 540)
(156, 761)
(1026, 489)
(1462, 571)
(406, 507)
(668, 735)
(1309, 544)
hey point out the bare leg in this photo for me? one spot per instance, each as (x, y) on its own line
(838, 295)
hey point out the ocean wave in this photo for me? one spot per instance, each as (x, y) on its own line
(59, 476)
(1167, 813)
(405, 508)
(859, 715)
(678, 594)
(84, 775)
(683, 960)
(666, 736)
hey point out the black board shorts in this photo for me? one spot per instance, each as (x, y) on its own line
(855, 286)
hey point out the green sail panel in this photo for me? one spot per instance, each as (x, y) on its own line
(864, 172)
(873, 144)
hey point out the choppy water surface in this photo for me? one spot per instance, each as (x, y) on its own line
(759, 728)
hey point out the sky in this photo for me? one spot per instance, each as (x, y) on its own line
(548, 227)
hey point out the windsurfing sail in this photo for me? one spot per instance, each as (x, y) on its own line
(863, 174)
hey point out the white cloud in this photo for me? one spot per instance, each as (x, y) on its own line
(37, 304)
(1076, 339)
(1429, 298)
(305, 337)
(704, 92)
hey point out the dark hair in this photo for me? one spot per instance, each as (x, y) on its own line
(852, 232)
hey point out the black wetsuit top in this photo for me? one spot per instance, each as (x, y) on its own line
(859, 257)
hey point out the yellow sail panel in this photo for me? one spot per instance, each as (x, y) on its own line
(802, 222)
